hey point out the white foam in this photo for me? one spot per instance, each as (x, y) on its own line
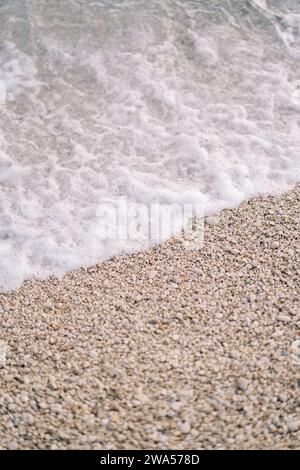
(172, 102)
(17, 71)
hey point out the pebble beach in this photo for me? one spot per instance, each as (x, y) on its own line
(168, 348)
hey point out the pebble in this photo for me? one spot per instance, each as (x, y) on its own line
(277, 334)
(52, 382)
(112, 373)
(142, 397)
(275, 245)
(242, 384)
(294, 426)
(235, 354)
(5, 309)
(185, 427)
(282, 397)
(176, 406)
(3, 353)
(12, 446)
(151, 274)
(284, 318)
(197, 271)
(93, 354)
(27, 418)
(211, 220)
(176, 337)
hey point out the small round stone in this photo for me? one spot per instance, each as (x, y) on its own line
(242, 384)
(294, 426)
(12, 446)
(211, 220)
(185, 427)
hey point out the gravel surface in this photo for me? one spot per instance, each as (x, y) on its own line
(165, 349)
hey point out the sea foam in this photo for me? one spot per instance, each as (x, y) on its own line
(157, 102)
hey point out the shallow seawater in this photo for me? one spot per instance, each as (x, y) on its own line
(166, 102)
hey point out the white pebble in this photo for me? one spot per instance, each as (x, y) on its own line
(151, 274)
(277, 334)
(12, 446)
(211, 221)
(176, 406)
(197, 271)
(3, 352)
(284, 318)
(93, 354)
(234, 354)
(275, 245)
(242, 384)
(185, 427)
(294, 426)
